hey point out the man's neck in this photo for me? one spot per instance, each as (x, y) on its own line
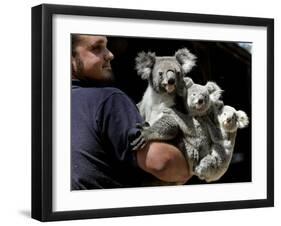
(91, 83)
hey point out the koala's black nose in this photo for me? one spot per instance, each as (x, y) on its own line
(200, 101)
(228, 120)
(171, 81)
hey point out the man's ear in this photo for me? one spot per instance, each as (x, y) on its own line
(73, 66)
(242, 119)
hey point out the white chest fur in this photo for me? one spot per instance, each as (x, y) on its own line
(153, 103)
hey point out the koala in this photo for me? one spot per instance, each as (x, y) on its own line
(223, 134)
(189, 129)
(165, 80)
(200, 103)
(199, 99)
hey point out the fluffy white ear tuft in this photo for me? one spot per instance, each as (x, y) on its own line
(186, 59)
(243, 119)
(144, 64)
(145, 73)
(188, 82)
(214, 90)
(187, 66)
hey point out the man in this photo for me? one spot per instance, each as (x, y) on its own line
(103, 125)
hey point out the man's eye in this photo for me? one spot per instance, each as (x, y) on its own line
(97, 48)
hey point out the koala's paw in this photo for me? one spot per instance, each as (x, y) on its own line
(208, 169)
(227, 144)
(201, 172)
(141, 140)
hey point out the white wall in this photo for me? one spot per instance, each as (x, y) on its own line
(15, 118)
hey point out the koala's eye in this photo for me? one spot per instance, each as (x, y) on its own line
(160, 73)
(193, 94)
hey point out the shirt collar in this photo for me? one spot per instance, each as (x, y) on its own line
(78, 83)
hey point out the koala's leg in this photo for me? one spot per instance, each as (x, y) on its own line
(164, 129)
(213, 166)
(192, 153)
(202, 170)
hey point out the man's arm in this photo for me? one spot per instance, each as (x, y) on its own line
(164, 161)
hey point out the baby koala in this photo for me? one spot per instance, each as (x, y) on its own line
(230, 120)
(227, 120)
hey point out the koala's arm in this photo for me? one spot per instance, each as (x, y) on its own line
(164, 129)
(214, 132)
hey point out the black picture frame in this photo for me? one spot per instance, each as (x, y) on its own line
(42, 106)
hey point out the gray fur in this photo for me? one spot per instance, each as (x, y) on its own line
(223, 134)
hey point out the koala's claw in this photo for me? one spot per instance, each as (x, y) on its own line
(142, 125)
(138, 143)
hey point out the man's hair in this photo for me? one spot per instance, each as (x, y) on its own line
(74, 42)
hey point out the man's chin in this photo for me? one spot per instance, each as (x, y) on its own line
(108, 75)
(104, 79)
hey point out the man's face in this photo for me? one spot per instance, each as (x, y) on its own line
(92, 59)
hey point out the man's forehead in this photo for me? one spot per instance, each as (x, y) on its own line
(92, 39)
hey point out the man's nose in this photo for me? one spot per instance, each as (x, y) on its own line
(109, 55)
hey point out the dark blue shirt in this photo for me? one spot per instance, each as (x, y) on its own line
(103, 124)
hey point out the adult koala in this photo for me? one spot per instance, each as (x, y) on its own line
(191, 130)
(165, 80)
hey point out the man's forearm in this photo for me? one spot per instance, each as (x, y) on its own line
(164, 161)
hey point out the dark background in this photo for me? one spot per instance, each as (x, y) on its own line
(225, 63)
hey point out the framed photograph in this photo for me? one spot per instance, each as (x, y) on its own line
(86, 162)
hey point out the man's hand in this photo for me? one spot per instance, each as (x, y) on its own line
(164, 161)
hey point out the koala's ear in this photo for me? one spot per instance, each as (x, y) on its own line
(188, 82)
(242, 119)
(186, 59)
(218, 106)
(144, 64)
(214, 90)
